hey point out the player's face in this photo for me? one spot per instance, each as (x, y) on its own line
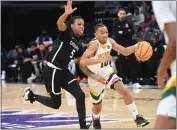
(122, 14)
(102, 34)
(78, 27)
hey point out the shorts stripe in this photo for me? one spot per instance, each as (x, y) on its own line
(110, 77)
(93, 92)
(53, 76)
(171, 83)
(171, 91)
(97, 103)
(71, 81)
(96, 97)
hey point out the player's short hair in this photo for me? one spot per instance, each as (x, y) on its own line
(99, 25)
(74, 18)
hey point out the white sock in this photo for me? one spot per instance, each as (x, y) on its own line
(133, 110)
(96, 116)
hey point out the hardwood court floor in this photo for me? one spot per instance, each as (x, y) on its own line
(17, 113)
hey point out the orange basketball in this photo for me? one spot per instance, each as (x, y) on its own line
(144, 51)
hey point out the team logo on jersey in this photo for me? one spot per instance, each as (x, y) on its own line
(74, 45)
(22, 119)
(108, 46)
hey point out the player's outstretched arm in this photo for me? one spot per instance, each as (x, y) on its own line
(90, 52)
(68, 10)
(123, 50)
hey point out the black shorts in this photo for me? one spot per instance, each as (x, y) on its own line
(55, 79)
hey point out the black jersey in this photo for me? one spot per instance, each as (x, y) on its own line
(66, 47)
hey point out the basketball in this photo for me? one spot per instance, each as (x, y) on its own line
(144, 51)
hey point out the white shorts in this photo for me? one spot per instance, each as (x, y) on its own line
(97, 88)
(167, 106)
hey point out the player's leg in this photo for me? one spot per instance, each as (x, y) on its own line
(96, 95)
(96, 109)
(51, 77)
(73, 88)
(122, 90)
(163, 122)
(54, 101)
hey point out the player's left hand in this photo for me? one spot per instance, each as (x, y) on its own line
(100, 79)
(162, 76)
(68, 7)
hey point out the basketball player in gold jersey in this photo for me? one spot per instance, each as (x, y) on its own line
(165, 12)
(99, 48)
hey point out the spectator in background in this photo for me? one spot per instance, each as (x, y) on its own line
(138, 18)
(128, 65)
(153, 23)
(11, 67)
(129, 17)
(153, 63)
(42, 54)
(44, 38)
(34, 54)
(23, 61)
(148, 19)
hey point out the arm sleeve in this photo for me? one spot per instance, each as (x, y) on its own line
(65, 35)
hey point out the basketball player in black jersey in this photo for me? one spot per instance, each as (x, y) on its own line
(56, 74)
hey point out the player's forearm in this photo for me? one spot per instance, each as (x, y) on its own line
(126, 51)
(86, 71)
(61, 20)
(130, 49)
(87, 61)
(169, 55)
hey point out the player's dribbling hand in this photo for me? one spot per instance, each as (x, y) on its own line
(68, 7)
(137, 45)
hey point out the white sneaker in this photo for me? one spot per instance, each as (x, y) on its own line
(30, 79)
(136, 88)
(136, 85)
(26, 93)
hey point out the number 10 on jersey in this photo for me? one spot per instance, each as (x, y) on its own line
(104, 64)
